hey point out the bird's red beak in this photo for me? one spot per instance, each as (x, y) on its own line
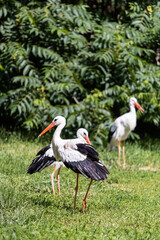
(87, 140)
(139, 107)
(46, 129)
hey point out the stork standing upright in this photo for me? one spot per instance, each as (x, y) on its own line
(122, 126)
(45, 159)
(76, 155)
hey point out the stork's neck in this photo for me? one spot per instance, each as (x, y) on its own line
(132, 109)
(79, 136)
(57, 133)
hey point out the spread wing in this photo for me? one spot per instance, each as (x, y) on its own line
(83, 159)
(45, 159)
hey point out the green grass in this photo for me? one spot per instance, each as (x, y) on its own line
(125, 206)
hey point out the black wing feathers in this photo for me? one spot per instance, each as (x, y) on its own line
(90, 167)
(112, 130)
(44, 160)
(43, 150)
(88, 150)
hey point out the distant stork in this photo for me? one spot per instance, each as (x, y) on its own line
(45, 159)
(122, 126)
(77, 155)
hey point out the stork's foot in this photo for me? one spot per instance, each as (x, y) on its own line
(84, 206)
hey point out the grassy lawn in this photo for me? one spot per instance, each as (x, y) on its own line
(125, 206)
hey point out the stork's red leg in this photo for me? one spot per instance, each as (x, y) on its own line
(84, 201)
(119, 153)
(58, 181)
(52, 181)
(124, 160)
(76, 190)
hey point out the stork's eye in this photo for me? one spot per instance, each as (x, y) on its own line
(55, 119)
(85, 134)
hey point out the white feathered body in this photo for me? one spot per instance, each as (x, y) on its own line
(66, 150)
(121, 128)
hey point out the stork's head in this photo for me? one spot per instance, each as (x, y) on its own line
(83, 133)
(133, 102)
(59, 120)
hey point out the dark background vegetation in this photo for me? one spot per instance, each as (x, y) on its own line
(80, 59)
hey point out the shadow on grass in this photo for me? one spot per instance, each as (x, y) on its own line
(48, 200)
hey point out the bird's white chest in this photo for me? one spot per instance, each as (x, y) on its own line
(132, 123)
(60, 150)
(125, 125)
(56, 151)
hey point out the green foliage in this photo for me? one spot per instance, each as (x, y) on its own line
(63, 59)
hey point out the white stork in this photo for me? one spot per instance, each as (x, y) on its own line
(77, 155)
(45, 159)
(122, 126)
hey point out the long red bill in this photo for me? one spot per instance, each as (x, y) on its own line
(139, 107)
(46, 129)
(87, 140)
